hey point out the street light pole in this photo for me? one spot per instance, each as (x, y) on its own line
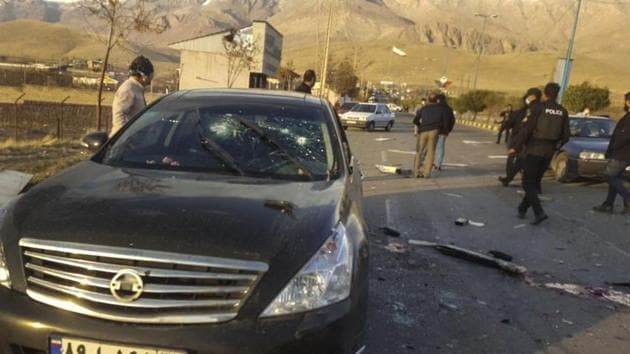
(322, 88)
(567, 63)
(480, 44)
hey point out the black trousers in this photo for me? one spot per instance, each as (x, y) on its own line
(534, 170)
(507, 134)
(513, 166)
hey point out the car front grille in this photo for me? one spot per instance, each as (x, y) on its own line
(137, 286)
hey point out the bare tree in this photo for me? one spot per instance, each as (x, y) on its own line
(251, 4)
(240, 50)
(121, 17)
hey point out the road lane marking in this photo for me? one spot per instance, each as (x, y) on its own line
(448, 164)
(388, 212)
(497, 157)
(402, 152)
(474, 142)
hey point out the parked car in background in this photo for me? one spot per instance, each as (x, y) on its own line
(584, 154)
(345, 107)
(369, 116)
(218, 221)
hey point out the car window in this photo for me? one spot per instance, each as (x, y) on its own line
(287, 142)
(348, 105)
(591, 128)
(364, 108)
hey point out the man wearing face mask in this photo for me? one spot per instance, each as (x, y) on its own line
(618, 156)
(514, 163)
(129, 98)
(544, 131)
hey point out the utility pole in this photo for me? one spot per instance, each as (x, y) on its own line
(480, 44)
(325, 73)
(567, 61)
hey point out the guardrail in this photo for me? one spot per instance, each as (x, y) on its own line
(480, 125)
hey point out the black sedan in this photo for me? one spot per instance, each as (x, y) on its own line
(584, 154)
(214, 222)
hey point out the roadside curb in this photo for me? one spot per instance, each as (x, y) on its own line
(485, 126)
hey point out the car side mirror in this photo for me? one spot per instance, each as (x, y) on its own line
(94, 141)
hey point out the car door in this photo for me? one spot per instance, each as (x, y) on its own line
(380, 115)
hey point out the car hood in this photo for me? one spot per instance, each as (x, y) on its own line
(186, 213)
(588, 144)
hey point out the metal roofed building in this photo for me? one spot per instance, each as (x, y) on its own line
(204, 63)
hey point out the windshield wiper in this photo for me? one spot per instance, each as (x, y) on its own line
(214, 148)
(269, 140)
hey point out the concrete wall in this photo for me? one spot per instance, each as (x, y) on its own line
(207, 70)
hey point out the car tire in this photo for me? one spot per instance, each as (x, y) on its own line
(561, 169)
(371, 126)
(389, 126)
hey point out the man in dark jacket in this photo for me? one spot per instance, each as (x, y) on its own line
(544, 131)
(514, 163)
(448, 126)
(505, 116)
(618, 156)
(308, 82)
(429, 122)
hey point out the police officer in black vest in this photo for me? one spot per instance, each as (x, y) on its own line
(545, 130)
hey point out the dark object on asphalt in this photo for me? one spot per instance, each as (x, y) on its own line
(461, 221)
(390, 232)
(539, 219)
(624, 283)
(175, 229)
(584, 155)
(473, 256)
(501, 255)
(604, 208)
(506, 321)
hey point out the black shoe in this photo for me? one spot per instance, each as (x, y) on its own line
(604, 208)
(522, 214)
(540, 218)
(504, 181)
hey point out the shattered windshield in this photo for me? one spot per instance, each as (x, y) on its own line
(285, 142)
(364, 108)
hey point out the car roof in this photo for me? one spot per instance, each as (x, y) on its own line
(286, 97)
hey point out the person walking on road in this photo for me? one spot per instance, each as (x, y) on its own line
(505, 116)
(618, 156)
(429, 122)
(308, 82)
(129, 98)
(543, 133)
(514, 163)
(448, 126)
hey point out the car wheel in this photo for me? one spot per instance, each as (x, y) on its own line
(389, 126)
(371, 126)
(561, 169)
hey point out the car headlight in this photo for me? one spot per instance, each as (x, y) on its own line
(5, 278)
(589, 155)
(324, 280)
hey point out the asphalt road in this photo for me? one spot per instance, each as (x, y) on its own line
(422, 301)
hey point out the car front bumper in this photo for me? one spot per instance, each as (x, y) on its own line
(354, 123)
(26, 327)
(592, 168)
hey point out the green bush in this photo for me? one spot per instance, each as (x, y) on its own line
(577, 98)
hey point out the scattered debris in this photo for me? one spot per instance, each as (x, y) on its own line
(475, 223)
(505, 321)
(501, 255)
(381, 279)
(461, 221)
(519, 226)
(614, 296)
(396, 248)
(567, 322)
(389, 231)
(453, 195)
(473, 256)
(384, 139)
(392, 169)
(448, 306)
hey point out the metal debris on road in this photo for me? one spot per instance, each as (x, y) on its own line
(402, 152)
(497, 157)
(567, 322)
(384, 139)
(473, 256)
(501, 255)
(474, 142)
(611, 295)
(461, 221)
(505, 321)
(449, 164)
(396, 248)
(389, 231)
(519, 226)
(392, 169)
(475, 223)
